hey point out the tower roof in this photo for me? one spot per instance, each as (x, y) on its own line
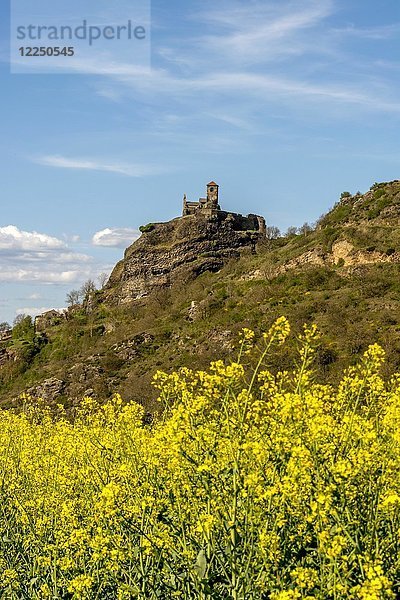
(212, 183)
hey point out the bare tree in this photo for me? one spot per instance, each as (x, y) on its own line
(291, 231)
(73, 298)
(319, 221)
(19, 318)
(87, 288)
(272, 232)
(102, 279)
(305, 229)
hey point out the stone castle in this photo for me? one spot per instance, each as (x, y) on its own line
(209, 207)
(204, 238)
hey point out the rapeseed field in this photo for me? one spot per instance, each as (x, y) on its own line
(250, 485)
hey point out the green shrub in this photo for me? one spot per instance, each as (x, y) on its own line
(146, 228)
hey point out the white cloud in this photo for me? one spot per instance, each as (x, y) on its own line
(39, 275)
(30, 256)
(12, 238)
(115, 237)
(130, 170)
(72, 257)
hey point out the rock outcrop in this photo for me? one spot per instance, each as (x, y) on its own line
(180, 249)
(48, 390)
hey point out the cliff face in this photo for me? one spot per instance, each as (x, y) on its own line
(180, 249)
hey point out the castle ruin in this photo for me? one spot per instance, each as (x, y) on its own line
(209, 207)
(204, 238)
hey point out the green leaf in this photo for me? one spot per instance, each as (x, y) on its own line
(201, 563)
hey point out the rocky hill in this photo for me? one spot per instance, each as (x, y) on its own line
(185, 289)
(181, 249)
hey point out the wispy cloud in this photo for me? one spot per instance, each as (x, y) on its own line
(382, 32)
(241, 56)
(129, 170)
(280, 17)
(259, 86)
(233, 120)
(270, 88)
(260, 31)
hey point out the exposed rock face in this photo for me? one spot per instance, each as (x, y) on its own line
(8, 355)
(343, 254)
(130, 349)
(5, 335)
(48, 390)
(88, 371)
(83, 377)
(3, 356)
(179, 249)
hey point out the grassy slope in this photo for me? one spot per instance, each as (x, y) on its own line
(352, 309)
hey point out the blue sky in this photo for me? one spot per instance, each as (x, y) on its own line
(284, 103)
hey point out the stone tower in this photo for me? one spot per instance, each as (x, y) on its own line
(212, 196)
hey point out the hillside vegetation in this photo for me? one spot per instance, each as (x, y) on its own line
(343, 275)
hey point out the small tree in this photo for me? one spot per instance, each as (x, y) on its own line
(272, 232)
(305, 229)
(146, 228)
(345, 195)
(73, 298)
(23, 328)
(291, 231)
(87, 288)
(4, 326)
(319, 221)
